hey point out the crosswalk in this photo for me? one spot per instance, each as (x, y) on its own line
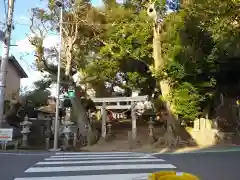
(97, 165)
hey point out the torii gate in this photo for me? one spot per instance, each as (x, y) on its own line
(129, 104)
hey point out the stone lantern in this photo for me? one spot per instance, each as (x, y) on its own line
(67, 131)
(151, 136)
(25, 131)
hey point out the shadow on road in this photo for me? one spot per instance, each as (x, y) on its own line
(13, 165)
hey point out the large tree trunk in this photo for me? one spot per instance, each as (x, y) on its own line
(80, 116)
(172, 127)
(68, 63)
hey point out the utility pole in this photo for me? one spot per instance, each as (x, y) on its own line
(4, 62)
(59, 4)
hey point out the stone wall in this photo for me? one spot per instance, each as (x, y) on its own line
(204, 137)
(203, 132)
(203, 124)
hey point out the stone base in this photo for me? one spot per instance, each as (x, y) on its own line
(66, 148)
(133, 144)
(152, 139)
(110, 137)
(102, 140)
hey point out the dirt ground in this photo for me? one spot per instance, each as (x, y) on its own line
(120, 140)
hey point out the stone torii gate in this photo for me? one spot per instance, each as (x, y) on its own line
(118, 103)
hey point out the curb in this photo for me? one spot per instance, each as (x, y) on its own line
(217, 150)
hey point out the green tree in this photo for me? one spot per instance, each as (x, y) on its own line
(39, 95)
(80, 27)
(200, 48)
(186, 50)
(223, 27)
(126, 47)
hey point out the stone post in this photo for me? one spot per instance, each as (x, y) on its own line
(67, 131)
(197, 124)
(104, 120)
(151, 130)
(134, 122)
(109, 129)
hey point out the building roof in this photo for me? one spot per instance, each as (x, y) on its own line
(17, 66)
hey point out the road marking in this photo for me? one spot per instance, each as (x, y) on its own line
(105, 167)
(91, 158)
(149, 155)
(92, 177)
(99, 161)
(93, 155)
(100, 153)
(92, 166)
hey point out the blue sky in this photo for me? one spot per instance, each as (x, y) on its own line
(21, 24)
(19, 34)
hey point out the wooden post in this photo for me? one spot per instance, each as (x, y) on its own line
(104, 120)
(134, 122)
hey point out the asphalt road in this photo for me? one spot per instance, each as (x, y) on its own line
(92, 166)
(14, 164)
(208, 165)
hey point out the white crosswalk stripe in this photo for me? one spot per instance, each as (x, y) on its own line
(92, 166)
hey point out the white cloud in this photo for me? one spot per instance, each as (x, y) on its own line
(25, 46)
(34, 76)
(27, 83)
(22, 19)
(51, 41)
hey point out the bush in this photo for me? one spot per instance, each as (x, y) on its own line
(186, 100)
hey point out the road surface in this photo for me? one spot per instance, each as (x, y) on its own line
(208, 165)
(116, 165)
(87, 166)
(13, 164)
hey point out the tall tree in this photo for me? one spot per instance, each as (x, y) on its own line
(81, 24)
(199, 53)
(125, 47)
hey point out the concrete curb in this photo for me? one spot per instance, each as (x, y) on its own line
(214, 150)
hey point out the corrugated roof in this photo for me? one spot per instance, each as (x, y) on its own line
(18, 67)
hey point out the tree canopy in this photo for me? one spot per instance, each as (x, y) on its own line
(39, 95)
(113, 44)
